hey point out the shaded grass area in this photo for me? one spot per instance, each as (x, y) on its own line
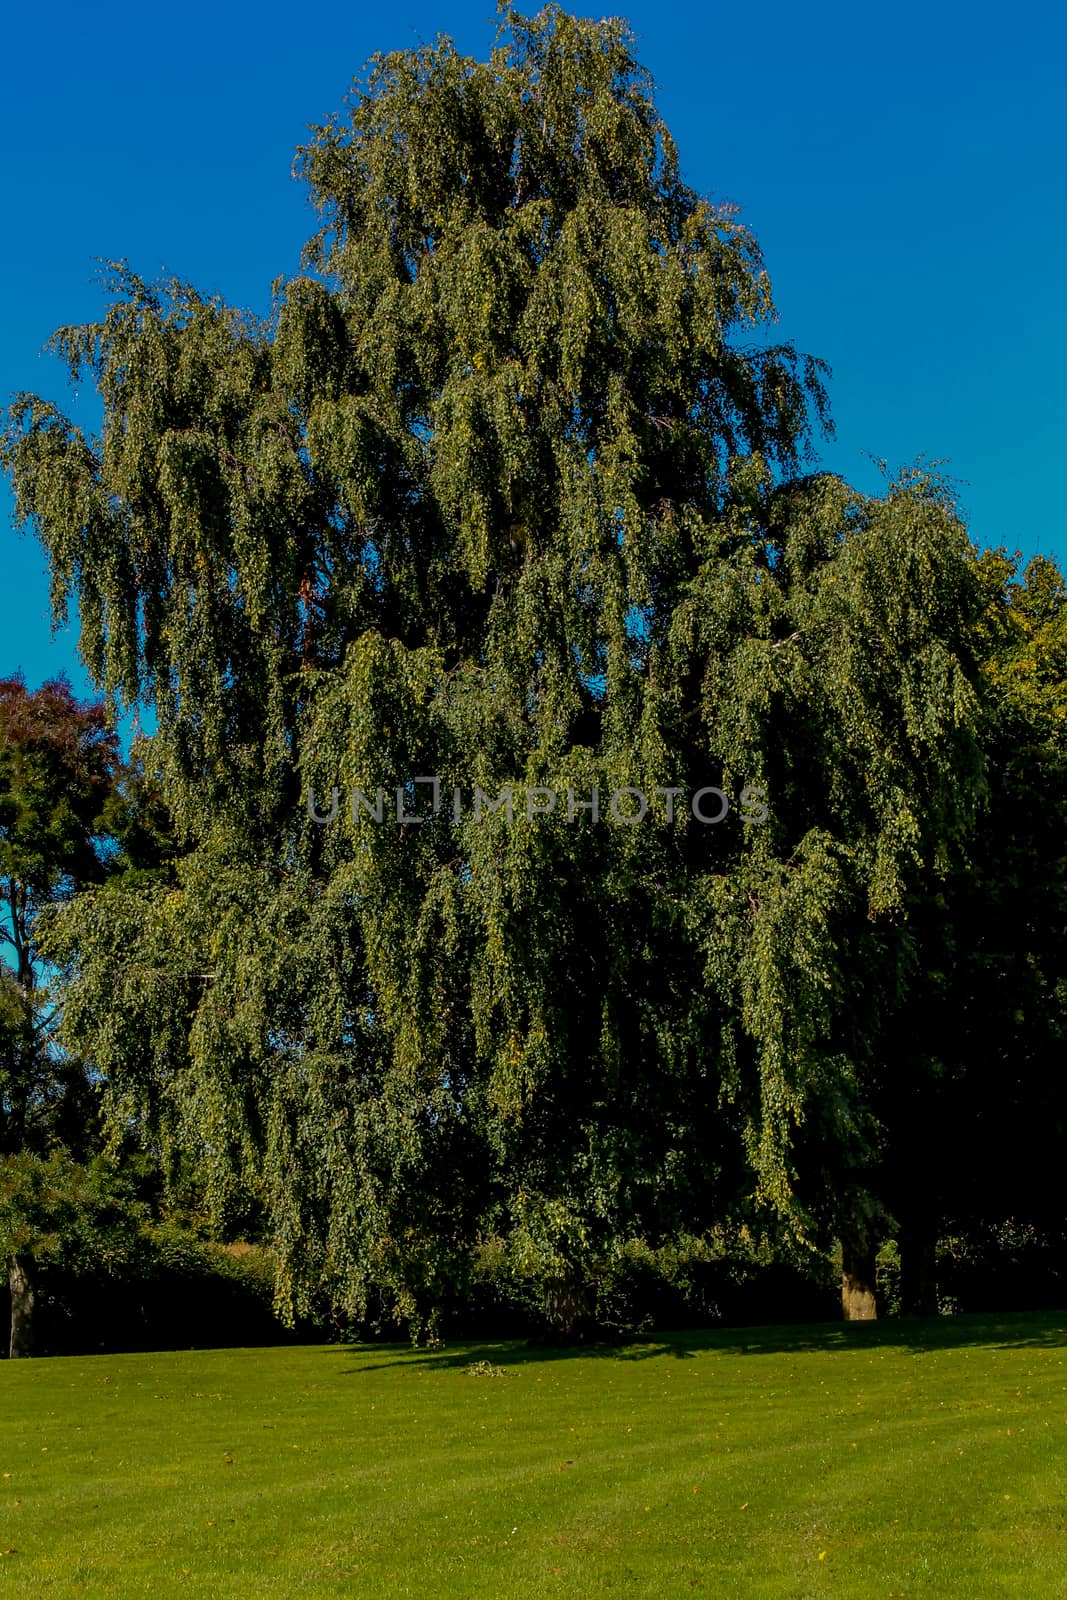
(883, 1460)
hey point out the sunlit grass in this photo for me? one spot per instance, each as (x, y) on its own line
(906, 1459)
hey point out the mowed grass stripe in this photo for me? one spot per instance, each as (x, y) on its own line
(907, 1459)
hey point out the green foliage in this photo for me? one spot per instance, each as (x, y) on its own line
(731, 1277)
(887, 1281)
(59, 1212)
(169, 1249)
(58, 771)
(506, 491)
(70, 815)
(57, 765)
(126, 1282)
(980, 1028)
(1009, 1262)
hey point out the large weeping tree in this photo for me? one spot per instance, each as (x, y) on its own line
(508, 491)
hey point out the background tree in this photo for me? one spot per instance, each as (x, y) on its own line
(57, 766)
(58, 763)
(981, 1029)
(56, 1212)
(72, 814)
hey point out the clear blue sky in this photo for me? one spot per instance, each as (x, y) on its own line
(903, 167)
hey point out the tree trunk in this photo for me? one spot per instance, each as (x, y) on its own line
(858, 1303)
(21, 1286)
(918, 1273)
(566, 1305)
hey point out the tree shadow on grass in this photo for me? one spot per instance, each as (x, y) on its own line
(915, 1335)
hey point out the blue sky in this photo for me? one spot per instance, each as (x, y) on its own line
(903, 168)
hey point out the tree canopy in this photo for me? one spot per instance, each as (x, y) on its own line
(513, 488)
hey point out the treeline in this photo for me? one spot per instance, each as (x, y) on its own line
(514, 489)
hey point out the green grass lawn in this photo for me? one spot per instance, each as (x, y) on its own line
(874, 1461)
